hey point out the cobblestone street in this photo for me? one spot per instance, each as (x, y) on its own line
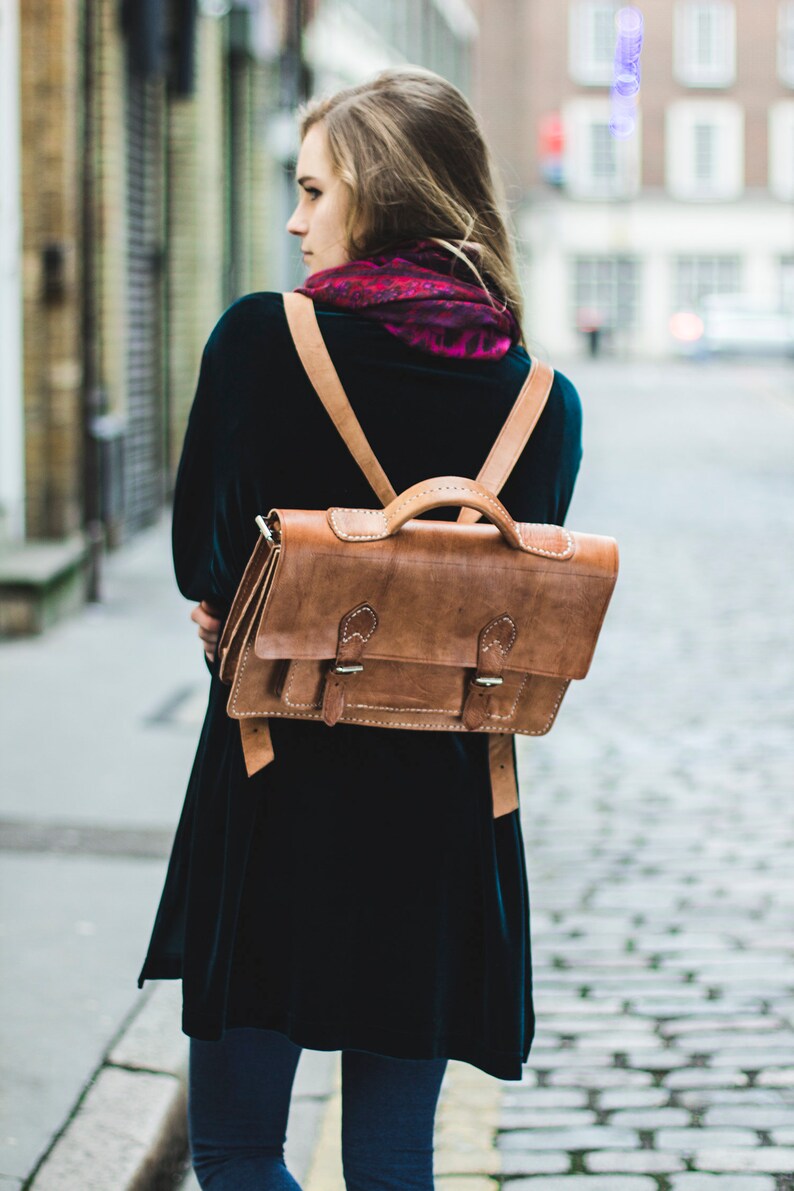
(657, 814)
(658, 823)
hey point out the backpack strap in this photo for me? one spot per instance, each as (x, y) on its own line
(514, 435)
(319, 367)
(317, 363)
(510, 442)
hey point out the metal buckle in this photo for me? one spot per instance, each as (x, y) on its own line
(355, 669)
(264, 529)
(487, 681)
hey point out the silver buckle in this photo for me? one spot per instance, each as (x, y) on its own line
(355, 669)
(487, 681)
(264, 529)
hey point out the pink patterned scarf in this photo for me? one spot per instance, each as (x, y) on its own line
(413, 291)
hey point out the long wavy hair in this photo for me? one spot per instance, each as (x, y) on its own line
(411, 152)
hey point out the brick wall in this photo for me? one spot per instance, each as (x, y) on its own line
(265, 183)
(109, 214)
(52, 364)
(541, 49)
(196, 231)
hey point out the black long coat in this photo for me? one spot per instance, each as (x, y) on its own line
(357, 893)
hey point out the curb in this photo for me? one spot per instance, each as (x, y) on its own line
(129, 1128)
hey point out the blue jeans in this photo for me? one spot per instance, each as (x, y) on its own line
(239, 1094)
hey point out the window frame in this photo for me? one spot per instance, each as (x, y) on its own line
(583, 65)
(688, 68)
(681, 120)
(781, 150)
(785, 43)
(580, 116)
(702, 262)
(631, 266)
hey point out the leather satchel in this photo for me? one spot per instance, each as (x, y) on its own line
(374, 617)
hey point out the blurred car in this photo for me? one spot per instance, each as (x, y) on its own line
(734, 324)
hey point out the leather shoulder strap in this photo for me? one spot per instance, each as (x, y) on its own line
(319, 367)
(514, 435)
(510, 442)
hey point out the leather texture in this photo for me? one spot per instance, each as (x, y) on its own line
(374, 617)
(319, 367)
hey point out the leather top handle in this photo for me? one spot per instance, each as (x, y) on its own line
(451, 490)
(370, 525)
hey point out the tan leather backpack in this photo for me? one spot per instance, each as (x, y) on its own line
(370, 617)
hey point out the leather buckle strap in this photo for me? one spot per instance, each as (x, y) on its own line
(355, 630)
(494, 644)
(504, 786)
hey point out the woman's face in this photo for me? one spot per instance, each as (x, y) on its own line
(319, 218)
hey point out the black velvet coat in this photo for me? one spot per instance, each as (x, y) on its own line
(357, 893)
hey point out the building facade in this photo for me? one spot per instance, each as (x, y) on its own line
(699, 200)
(148, 151)
(12, 436)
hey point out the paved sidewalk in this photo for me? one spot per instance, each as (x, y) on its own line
(98, 728)
(92, 776)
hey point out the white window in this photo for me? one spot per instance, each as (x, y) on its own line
(785, 43)
(787, 283)
(591, 41)
(704, 150)
(705, 43)
(781, 150)
(596, 165)
(606, 288)
(695, 277)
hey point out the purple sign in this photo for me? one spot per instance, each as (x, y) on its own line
(626, 76)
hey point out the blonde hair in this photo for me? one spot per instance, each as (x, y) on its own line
(413, 156)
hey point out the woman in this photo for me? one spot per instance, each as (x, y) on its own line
(358, 893)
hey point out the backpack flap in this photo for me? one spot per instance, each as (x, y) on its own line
(434, 587)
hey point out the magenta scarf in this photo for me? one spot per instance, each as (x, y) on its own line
(413, 292)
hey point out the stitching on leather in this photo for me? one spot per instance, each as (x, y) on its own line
(557, 702)
(358, 612)
(424, 492)
(293, 674)
(449, 488)
(539, 549)
(369, 537)
(249, 586)
(351, 719)
(419, 727)
(417, 710)
(243, 664)
(496, 641)
(357, 537)
(509, 714)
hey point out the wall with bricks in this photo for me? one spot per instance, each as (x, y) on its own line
(12, 480)
(196, 225)
(108, 216)
(533, 77)
(52, 362)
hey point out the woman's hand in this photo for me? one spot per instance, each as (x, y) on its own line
(208, 619)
